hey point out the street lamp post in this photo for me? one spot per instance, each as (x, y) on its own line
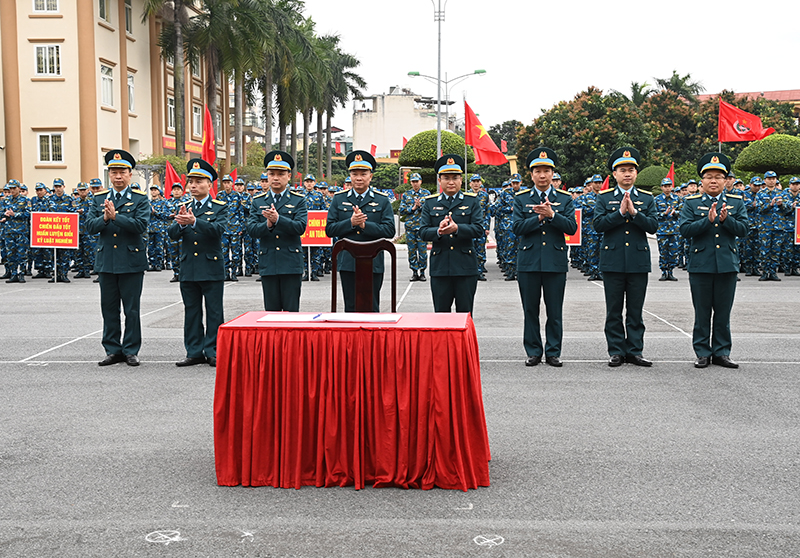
(448, 84)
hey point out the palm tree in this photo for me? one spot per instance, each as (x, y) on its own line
(343, 85)
(173, 13)
(230, 35)
(640, 92)
(682, 86)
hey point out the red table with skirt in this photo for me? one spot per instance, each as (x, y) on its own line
(340, 404)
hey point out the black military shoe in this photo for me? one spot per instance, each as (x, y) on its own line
(764, 277)
(702, 362)
(111, 359)
(13, 279)
(553, 361)
(422, 276)
(191, 361)
(774, 277)
(174, 279)
(314, 277)
(481, 277)
(63, 279)
(234, 278)
(724, 361)
(615, 360)
(638, 360)
(414, 277)
(663, 277)
(671, 277)
(533, 361)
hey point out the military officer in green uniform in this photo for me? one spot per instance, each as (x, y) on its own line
(624, 216)
(712, 221)
(542, 216)
(360, 214)
(451, 220)
(199, 225)
(278, 219)
(120, 216)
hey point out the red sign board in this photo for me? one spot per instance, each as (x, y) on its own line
(575, 239)
(315, 230)
(54, 230)
(169, 143)
(797, 225)
(395, 153)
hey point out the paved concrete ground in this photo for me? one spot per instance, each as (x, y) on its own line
(588, 461)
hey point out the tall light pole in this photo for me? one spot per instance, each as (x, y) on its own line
(448, 84)
(438, 16)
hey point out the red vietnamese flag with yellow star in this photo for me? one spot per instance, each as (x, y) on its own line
(486, 152)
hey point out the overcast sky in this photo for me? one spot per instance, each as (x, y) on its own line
(538, 53)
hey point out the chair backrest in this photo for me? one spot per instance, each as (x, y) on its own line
(364, 253)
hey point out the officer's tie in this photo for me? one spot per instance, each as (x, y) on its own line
(197, 206)
(542, 197)
(118, 196)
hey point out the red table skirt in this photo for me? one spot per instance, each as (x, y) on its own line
(332, 404)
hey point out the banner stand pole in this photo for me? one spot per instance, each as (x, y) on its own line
(55, 267)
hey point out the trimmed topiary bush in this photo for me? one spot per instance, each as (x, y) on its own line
(777, 152)
(650, 177)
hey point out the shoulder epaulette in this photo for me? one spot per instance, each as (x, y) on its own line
(342, 192)
(138, 192)
(431, 196)
(293, 192)
(525, 191)
(737, 196)
(645, 192)
(100, 193)
(471, 194)
(562, 191)
(219, 202)
(693, 196)
(260, 195)
(381, 193)
(606, 191)
(184, 203)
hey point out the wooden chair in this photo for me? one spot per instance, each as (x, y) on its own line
(364, 253)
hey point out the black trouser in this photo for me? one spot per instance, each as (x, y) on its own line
(198, 343)
(281, 292)
(125, 289)
(531, 286)
(459, 289)
(628, 290)
(712, 293)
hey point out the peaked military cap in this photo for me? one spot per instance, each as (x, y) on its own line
(24, 188)
(40, 186)
(177, 185)
(516, 177)
(714, 161)
(251, 186)
(13, 183)
(348, 180)
(95, 182)
(794, 180)
(556, 176)
(85, 186)
(624, 156)
(278, 160)
(475, 177)
(415, 176)
(666, 182)
(200, 168)
(58, 182)
(542, 157)
(227, 178)
(239, 181)
(360, 160)
(309, 177)
(770, 174)
(597, 178)
(120, 158)
(449, 164)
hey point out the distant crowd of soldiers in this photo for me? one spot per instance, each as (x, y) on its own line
(241, 251)
(768, 249)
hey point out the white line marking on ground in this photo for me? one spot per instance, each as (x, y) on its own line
(93, 333)
(689, 335)
(402, 298)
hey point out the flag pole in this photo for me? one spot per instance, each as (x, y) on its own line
(464, 98)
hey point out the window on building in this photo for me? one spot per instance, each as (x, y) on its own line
(128, 17)
(197, 120)
(106, 85)
(105, 10)
(50, 148)
(48, 60)
(217, 126)
(131, 104)
(45, 5)
(195, 64)
(171, 113)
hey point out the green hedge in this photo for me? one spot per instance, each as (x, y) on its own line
(777, 152)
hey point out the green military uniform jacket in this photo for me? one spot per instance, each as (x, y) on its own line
(121, 245)
(712, 247)
(452, 254)
(280, 250)
(624, 248)
(201, 244)
(541, 245)
(380, 224)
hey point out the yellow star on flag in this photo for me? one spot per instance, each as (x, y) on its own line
(482, 129)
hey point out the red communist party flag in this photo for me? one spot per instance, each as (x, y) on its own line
(338, 148)
(738, 125)
(372, 149)
(503, 146)
(234, 175)
(405, 141)
(486, 152)
(209, 149)
(671, 173)
(170, 178)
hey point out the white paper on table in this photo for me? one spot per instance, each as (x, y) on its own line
(289, 317)
(357, 317)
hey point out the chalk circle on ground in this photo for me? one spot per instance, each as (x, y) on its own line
(164, 537)
(489, 540)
